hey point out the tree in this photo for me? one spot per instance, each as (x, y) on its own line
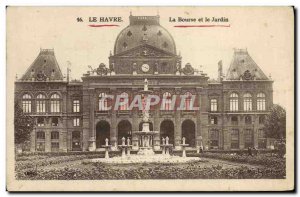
(23, 126)
(275, 123)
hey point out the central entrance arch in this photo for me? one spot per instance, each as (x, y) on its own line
(102, 132)
(167, 129)
(124, 130)
(188, 131)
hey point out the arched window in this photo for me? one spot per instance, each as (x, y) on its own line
(213, 105)
(124, 101)
(26, 103)
(167, 101)
(41, 103)
(55, 103)
(234, 102)
(247, 102)
(103, 106)
(261, 102)
(187, 102)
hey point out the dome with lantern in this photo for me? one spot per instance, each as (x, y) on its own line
(144, 30)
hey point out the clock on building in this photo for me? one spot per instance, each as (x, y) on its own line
(145, 68)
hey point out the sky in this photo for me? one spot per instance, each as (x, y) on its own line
(267, 34)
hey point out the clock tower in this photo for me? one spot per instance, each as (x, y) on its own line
(144, 47)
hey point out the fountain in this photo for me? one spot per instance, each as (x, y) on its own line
(183, 145)
(145, 137)
(166, 146)
(107, 147)
(146, 143)
(123, 146)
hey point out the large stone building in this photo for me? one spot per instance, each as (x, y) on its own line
(73, 116)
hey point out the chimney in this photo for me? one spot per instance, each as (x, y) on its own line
(220, 71)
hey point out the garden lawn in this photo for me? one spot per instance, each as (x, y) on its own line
(77, 167)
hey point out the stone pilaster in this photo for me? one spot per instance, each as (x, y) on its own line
(227, 139)
(113, 131)
(156, 128)
(92, 132)
(135, 129)
(241, 132)
(255, 131)
(63, 141)
(33, 140)
(47, 141)
(177, 131)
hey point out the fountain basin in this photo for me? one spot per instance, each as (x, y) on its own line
(146, 159)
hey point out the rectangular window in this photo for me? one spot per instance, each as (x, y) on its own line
(54, 146)
(213, 120)
(214, 138)
(247, 104)
(54, 135)
(262, 139)
(26, 106)
(55, 106)
(54, 121)
(40, 135)
(40, 106)
(76, 106)
(76, 141)
(40, 122)
(261, 104)
(213, 105)
(234, 104)
(234, 139)
(76, 122)
(40, 146)
(248, 134)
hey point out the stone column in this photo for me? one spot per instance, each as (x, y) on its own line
(32, 140)
(156, 137)
(135, 128)
(92, 140)
(177, 131)
(113, 131)
(241, 132)
(63, 141)
(199, 137)
(227, 139)
(203, 103)
(47, 141)
(255, 131)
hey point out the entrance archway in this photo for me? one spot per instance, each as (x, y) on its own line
(167, 129)
(124, 130)
(102, 132)
(189, 132)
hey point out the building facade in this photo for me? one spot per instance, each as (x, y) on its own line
(80, 115)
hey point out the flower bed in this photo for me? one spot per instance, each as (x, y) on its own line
(99, 171)
(261, 159)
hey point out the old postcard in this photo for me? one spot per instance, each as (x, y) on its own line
(150, 98)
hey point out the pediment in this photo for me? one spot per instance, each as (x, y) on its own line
(145, 51)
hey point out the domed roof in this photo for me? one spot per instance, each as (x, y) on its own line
(144, 30)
